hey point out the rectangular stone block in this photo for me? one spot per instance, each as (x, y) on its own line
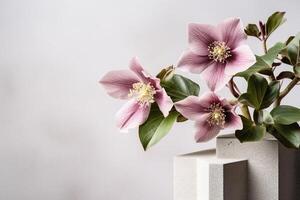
(273, 170)
(201, 176)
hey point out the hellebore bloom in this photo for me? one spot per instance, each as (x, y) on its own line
(140, 89)
(211, 115)
(217, 52)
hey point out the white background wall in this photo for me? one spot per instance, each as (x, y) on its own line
(58, 139)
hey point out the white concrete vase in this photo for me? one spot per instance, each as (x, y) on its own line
(264, 170)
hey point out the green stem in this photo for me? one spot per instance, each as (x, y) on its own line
(288, 88)
(272, 76)
(245, 111)
(265, 45)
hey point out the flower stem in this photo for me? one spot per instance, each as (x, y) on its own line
(272, 76)
(265, 45)
(245, 111)
(233, 88)
(288, 88)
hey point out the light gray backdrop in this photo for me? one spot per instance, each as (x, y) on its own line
(58, 139)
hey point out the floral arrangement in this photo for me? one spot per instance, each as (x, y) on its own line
(219, 54)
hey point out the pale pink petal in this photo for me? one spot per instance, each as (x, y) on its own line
(163, 101)
(227, 105)
(232, 32)
(242, 58)
(193, 63)
(233, 121)
(131, 115)
(118, 83)
(205, 132)
(137, 68)
(209, 98)
(215, 76)
(155, 82)
(192, 107)
(201, 36)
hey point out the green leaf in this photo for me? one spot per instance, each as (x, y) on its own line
(259, 94)
(271, 94)
(289, 40)
(263, 63)
(267, 118)
(252, 30)
(250, 131)
(288, 135)
(273, 53)
(260, 65)
(291, 52)
(179, 87)
(181, 118)
(156, 127)
(257, 87)
(284, 114)
(274, 21)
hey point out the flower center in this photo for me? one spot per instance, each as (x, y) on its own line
(216, 115)
(144, 93)
(218, 51)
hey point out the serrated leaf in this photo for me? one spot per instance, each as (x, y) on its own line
(250, 131)
(179, 87)
(284, 114)
(259, 93)
(274, 21)
(288, 135)
(156, 127)
(263, 62)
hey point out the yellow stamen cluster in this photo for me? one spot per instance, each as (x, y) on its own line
(217, 115)
(144, 93)
(218, 51)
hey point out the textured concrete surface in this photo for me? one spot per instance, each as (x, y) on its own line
(272, 168)
(202, 176)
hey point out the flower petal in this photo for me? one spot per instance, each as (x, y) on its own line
(163, 101)
(205, 132)
(131, 115)
(229, 107)
(137, 68)
(118, 83)
(232, 32)
(242, 58)
(193, 63)
(209, 98)
(215, 76)
(192, 107)
(201, 36)
(233, 121)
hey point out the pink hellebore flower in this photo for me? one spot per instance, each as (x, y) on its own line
(140, 89)
(211, 115)
(217, 52)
